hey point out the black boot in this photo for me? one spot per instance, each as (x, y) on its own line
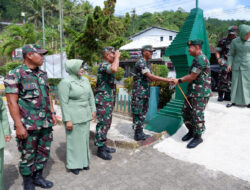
(109, 149)
(196, 140)
(139, 135)
(101, 152)
(248, 106)
(220, 96)
(86, 168)
(75, 171)
(227, 96)
(28, 183)
(38, 180)
(188, 136)
(230, 105)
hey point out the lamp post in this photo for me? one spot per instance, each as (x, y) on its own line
(23, 15)
(61, 36)
(43, 35)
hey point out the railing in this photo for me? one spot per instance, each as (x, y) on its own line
(123, 104)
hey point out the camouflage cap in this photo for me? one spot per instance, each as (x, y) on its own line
(195, 42)
(148, 48)
(34, 48)
(108, 48)
(233, 30)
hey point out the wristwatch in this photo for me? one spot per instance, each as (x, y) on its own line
(179, 81)
(53, 113)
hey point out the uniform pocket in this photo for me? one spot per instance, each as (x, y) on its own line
(30, 88)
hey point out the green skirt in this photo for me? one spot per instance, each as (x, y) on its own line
(1, 168)
(240, 92)
(78, 153)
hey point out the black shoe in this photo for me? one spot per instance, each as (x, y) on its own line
(227, 96)
(248, 106)
(220, 96)
(86, 168)
(196, 141)
(188, 136)
(38, 180)
(109, 149)
(28, 183)
(139, 135)
(75, 171)
(101, 152)
(230, 105)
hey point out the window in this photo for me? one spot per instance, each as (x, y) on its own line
(161, 38)
(170, 38)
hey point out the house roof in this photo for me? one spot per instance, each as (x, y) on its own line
(137, 44)
(143, 31)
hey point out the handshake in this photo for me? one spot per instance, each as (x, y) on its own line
(173, 81)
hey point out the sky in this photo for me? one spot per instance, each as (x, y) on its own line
(221, 9)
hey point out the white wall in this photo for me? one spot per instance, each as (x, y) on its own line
(156, 33)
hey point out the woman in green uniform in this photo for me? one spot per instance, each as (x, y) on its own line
(78, 109)
(4, 137)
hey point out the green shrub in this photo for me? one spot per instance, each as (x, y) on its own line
(54, 82)
(119, 74)
(160, 70)
(124, 55)
(128, 84)
(3, 70)
(94, 70)
(11, 65)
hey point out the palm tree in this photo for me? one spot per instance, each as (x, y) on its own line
(15, 36)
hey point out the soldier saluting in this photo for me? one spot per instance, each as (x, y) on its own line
(141, 90)
(105, 99)
(198, 93)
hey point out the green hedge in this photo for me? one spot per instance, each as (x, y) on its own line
(3, 70)
(11, 65)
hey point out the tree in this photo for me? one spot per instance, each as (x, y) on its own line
(15, 36)
(102, 28)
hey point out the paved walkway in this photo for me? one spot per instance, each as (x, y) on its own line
(130, 169)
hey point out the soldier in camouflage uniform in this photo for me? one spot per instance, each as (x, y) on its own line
(30, 105)
(198, 93)
(225, 78)
(105, 99)
(141, 91)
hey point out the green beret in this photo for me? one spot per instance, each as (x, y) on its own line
(148, 48)
(195, 42)
(232, 30)
(34, 48)
(108, 49)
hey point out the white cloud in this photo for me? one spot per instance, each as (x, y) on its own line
(231, 9)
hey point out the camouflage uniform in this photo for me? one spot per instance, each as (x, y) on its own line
(225, 78)
(33, 99)
(105, 101)
(198, 92)
(140, 93)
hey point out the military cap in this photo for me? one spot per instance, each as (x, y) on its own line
(195, 42)
(232, 30)
(148, 48)
(34, 48)
(108, 48)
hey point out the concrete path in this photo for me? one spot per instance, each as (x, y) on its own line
(130, 169)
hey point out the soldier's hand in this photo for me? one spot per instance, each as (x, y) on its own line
(7, 138)
(93, 115)
(69, 125)
(229, 68)
(21, 132)
(219, 61)
(117, 53)
(54, 119)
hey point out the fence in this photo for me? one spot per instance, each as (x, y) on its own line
(123, 104)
